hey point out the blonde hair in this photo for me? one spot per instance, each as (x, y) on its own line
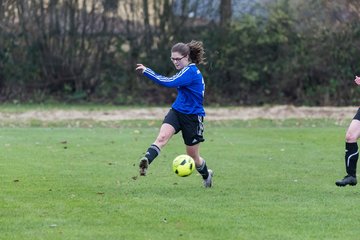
(194, 49)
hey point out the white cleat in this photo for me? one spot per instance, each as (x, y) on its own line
(208, 181)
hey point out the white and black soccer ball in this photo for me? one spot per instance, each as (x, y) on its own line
(183, 165)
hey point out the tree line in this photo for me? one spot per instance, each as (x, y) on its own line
(272, 52)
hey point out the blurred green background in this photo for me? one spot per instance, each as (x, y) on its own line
(300, 52)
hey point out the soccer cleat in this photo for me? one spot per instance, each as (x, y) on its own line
(347, 180)
(143, 166)
(208, 181)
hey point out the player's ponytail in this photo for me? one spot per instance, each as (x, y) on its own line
(196, 52)
(194, 49)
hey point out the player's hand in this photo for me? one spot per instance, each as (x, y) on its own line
(139, 67)
(357, 80)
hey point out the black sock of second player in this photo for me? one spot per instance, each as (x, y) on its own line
(351, 158)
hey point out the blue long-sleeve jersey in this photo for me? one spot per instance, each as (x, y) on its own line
(190, 86)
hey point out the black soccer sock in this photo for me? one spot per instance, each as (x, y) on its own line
(203, 170)
(152, 152)
(351, 158)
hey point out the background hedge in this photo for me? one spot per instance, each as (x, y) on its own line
(271, 52)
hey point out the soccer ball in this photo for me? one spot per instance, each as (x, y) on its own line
(183, 165)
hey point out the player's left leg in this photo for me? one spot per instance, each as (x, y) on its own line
(192, 131)
(201, 167)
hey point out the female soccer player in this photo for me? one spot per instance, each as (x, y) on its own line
(351, 149)
(187, 112)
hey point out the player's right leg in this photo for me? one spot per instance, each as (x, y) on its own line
(165, 133)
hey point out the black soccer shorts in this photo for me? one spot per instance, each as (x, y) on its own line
(191, 126)
(357, 115)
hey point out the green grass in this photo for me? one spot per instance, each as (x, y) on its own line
(273, 180)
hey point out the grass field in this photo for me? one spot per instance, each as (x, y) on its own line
(273, 180)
